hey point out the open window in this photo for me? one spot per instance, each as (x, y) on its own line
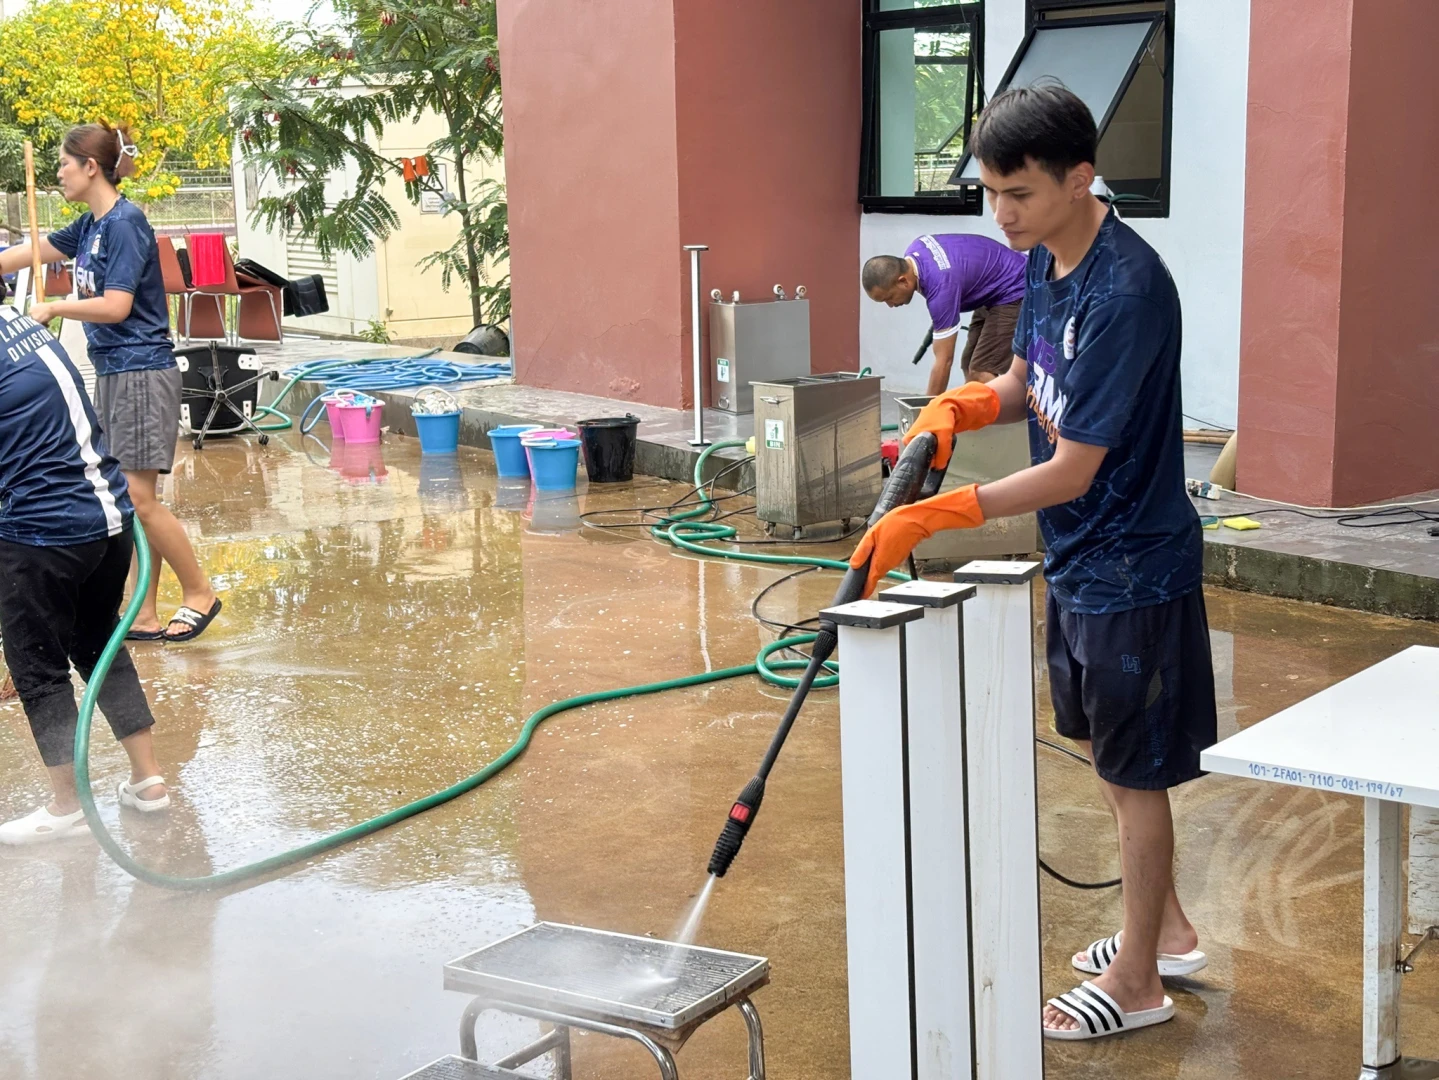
(1116, 57)
(922, 87)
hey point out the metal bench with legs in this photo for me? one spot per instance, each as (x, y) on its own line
(654, 993)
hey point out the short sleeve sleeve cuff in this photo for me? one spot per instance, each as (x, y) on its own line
(67, 240)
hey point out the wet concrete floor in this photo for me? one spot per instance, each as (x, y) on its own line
(390, 622)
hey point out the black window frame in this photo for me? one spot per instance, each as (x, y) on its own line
(1035, 11)
(968, 201)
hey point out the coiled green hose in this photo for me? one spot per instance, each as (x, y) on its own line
(679, 530)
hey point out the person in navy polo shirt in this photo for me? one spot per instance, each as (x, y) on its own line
(1096, 377)
(65, 544)
(127, 328)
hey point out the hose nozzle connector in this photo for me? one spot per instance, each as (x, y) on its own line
(736, 826)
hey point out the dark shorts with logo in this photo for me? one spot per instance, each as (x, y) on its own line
(1138, 685)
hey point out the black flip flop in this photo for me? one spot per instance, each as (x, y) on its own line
(146, 635)
(196, 621)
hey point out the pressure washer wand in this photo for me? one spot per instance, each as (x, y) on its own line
(911, 479)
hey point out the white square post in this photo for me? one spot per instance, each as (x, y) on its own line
(1003, 826)
(1383, 874)
(940, 843)
(878, 867)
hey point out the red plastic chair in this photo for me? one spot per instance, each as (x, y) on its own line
(58, 280)
(259, 317)
(211, 321)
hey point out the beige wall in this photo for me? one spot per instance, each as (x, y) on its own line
(387, 280)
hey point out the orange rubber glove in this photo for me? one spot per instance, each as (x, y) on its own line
(974, 405)
(896, 534)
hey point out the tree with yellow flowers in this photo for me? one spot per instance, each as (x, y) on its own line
(159, 66)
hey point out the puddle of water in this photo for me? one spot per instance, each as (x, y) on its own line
(382, 639)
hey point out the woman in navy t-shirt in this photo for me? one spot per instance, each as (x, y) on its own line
(65, 544)
(127, 326)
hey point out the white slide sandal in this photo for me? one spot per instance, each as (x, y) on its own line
(42, 827)
(130, 795)
(1098, 1015)
(1101, 954)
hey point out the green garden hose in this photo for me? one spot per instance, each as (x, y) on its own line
(678, 530)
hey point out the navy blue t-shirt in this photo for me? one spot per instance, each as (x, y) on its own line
(118, 252)
(1102, 347)
(59, 486)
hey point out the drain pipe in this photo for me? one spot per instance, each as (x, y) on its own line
(694, 250)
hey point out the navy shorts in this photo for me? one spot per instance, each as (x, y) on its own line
(1138, 685)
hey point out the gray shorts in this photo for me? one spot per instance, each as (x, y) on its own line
(140, 415)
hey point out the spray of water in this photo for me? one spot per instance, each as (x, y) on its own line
(658, 981)
(689, 928)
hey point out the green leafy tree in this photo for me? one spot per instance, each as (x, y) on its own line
(162, 67)
(12, 157)
(324, 114)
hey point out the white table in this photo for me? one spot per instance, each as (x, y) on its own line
(1375, 736)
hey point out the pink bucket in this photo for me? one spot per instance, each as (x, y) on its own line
(332, 414)
(358, 427)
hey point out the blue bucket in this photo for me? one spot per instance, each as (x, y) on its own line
(510, 457)
(439, 432)
(553, 463)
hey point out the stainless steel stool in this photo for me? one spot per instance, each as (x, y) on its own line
(655, 993)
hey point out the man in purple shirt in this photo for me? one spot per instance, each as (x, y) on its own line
(955, 273)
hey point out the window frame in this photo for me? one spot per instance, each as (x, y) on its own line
(1162, 20)
(876, 22)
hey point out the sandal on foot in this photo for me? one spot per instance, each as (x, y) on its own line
(130, 795)
(43, 826)
(1101, 954)
(197, 621)
(1098, 1015)
(146, 635)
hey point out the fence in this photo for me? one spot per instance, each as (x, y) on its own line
(204, 199)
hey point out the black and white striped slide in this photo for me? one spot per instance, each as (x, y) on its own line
(1098, 1015)
(1096, 959)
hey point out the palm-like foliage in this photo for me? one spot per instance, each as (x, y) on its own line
(314, 127)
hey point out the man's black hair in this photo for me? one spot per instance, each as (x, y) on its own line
(1046, 122)
(881, 272)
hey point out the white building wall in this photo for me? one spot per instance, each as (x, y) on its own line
(1201, 240)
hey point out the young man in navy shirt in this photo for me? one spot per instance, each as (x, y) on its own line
(1096, 377)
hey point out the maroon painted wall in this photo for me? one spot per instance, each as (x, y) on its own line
(1339, 346)
(1387, 429)
(635, 126)
(769, 119)
(1293, 247)
(593, 195)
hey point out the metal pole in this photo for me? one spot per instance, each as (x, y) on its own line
(694, 250)
(37, 272)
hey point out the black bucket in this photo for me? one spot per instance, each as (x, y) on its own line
(609, 445)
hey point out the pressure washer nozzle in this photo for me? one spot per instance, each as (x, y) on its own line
(736, 826)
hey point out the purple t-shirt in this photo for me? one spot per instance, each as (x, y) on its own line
(960, 272)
